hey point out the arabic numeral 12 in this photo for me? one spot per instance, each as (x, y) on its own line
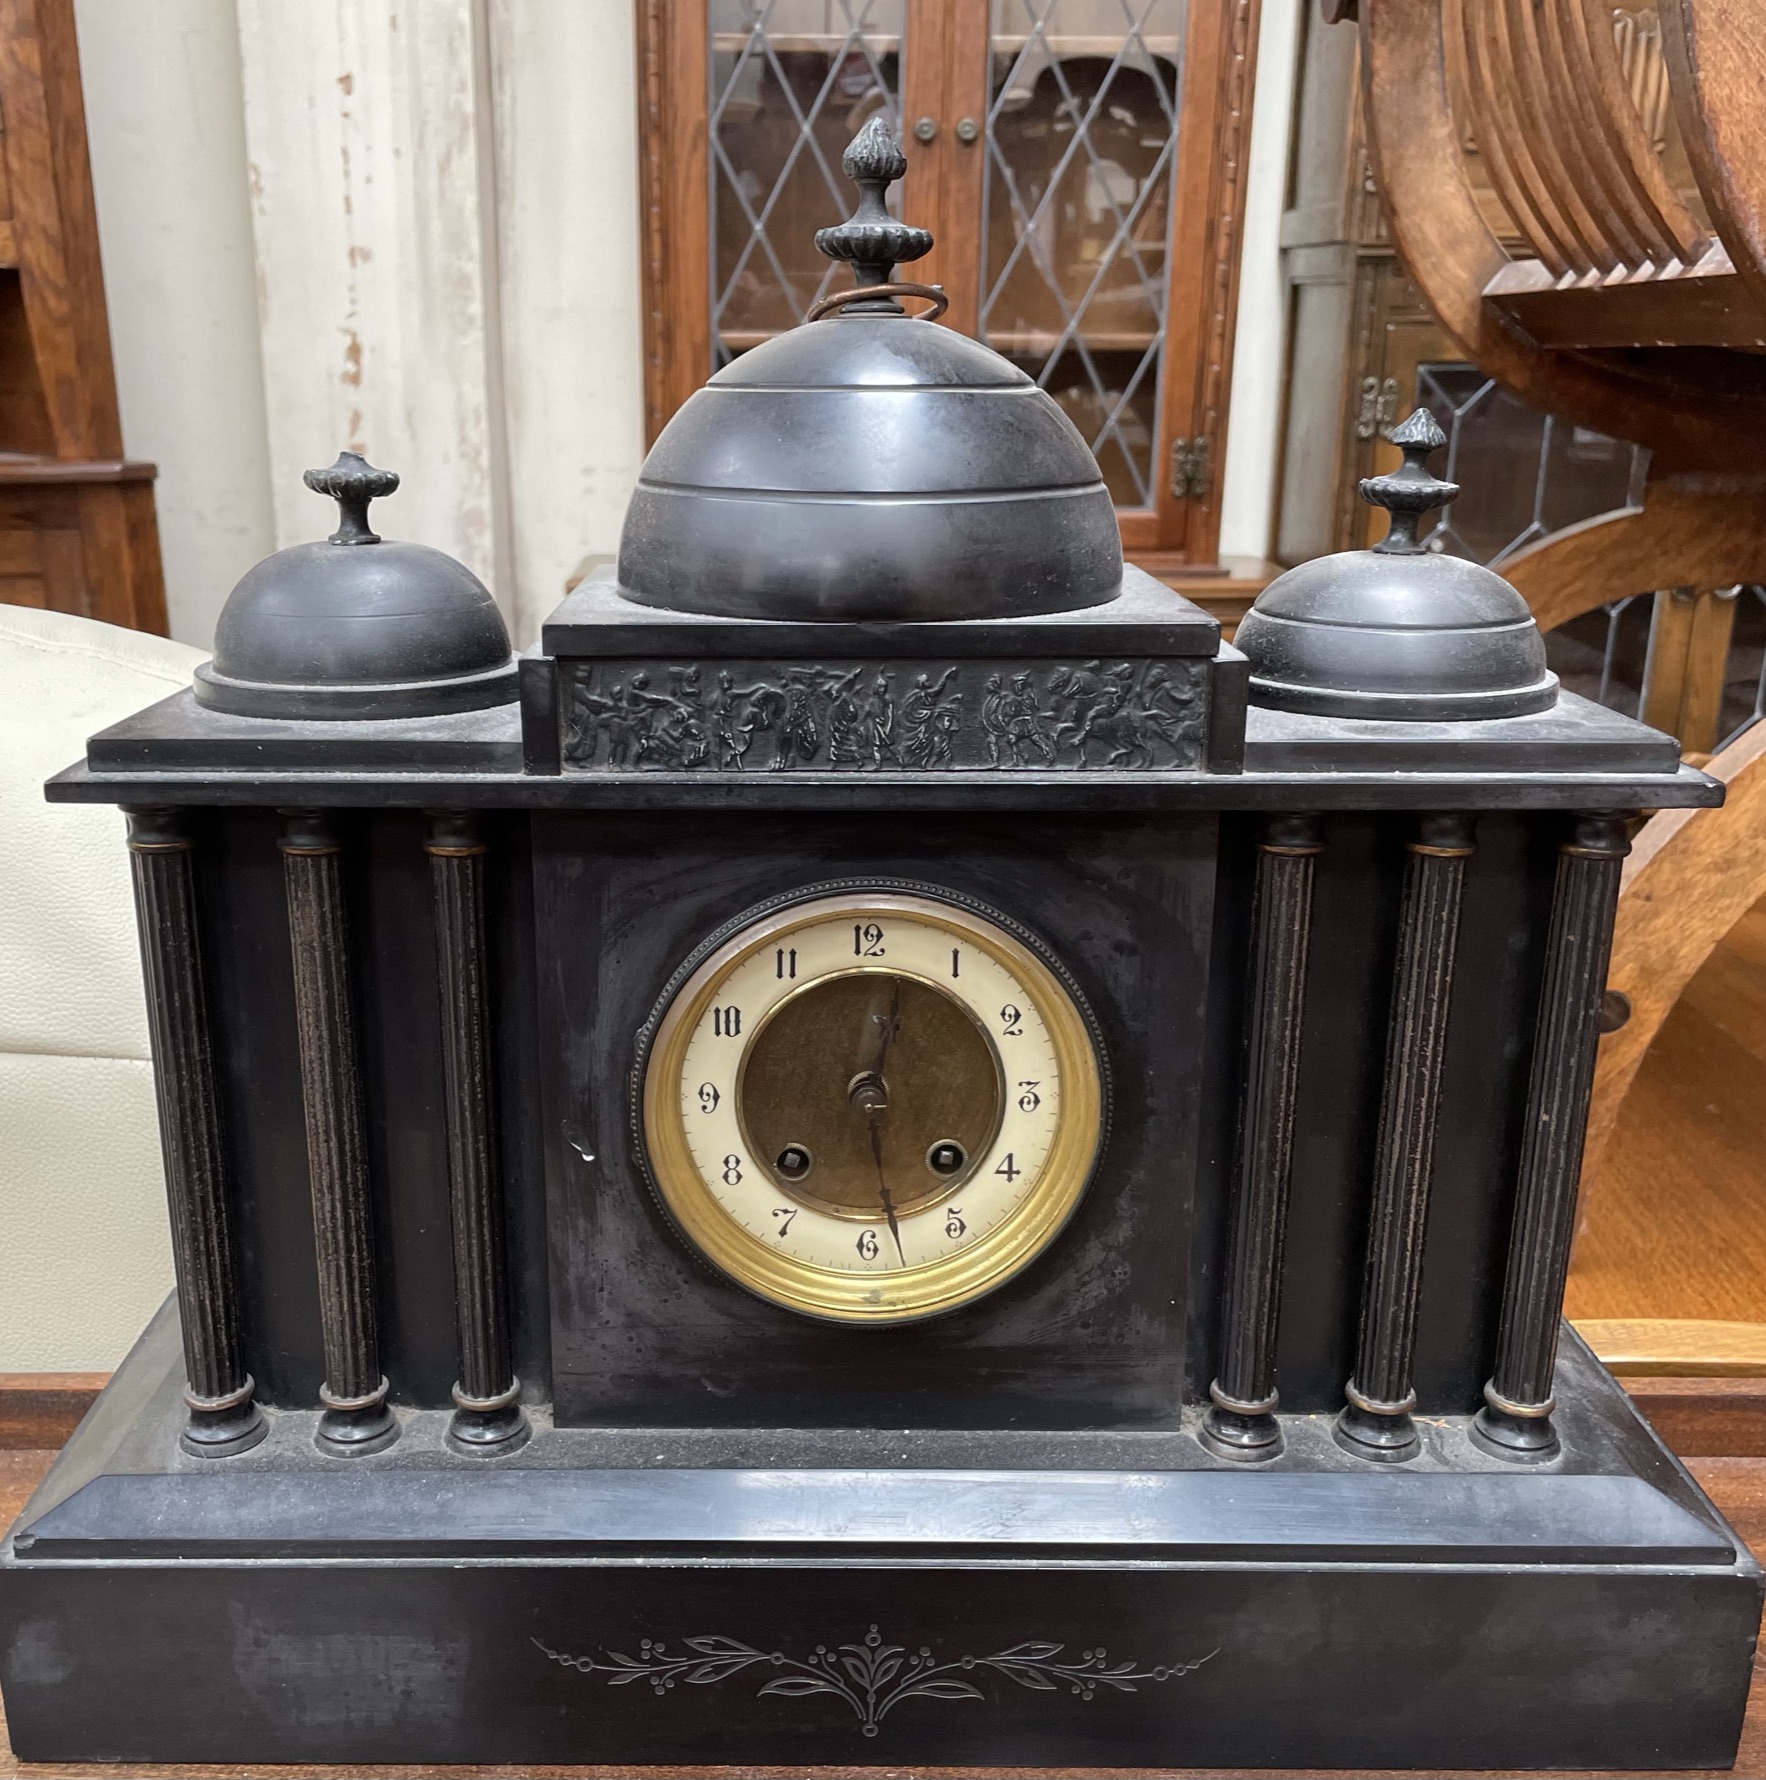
(867, 940)
(867, 1245)
(1012, 1021)
(726, 1022)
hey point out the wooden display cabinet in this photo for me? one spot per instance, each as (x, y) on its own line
(1080, 162)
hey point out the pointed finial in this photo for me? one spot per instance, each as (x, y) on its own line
(1411, 490)
(352, 482)
(871, 238)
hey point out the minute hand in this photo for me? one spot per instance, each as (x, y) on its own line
(873, 1095)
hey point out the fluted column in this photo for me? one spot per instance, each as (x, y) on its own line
(1516, 1420)
(1376, 1422)
(488, 1416)
(1240, 1422)
(356, 1418)
(223, 1417)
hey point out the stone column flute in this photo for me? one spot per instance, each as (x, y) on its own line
(1376, 1422)
(356, 1417)
(1515, 1422)
(488, 1417)
(223, 1418)
(1240, 1422)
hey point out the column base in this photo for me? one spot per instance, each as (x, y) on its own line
(1519, 1432)
(219, 1427)
(1383, 1432)
(1246, 1432)
(354, 1427)
(489, 1426)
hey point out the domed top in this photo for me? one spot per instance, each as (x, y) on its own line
(356, 626)
(871, 467)
(1397, 631)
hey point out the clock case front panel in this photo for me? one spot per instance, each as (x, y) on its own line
(646, 1332)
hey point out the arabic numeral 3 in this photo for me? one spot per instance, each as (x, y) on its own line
(867, 1246)
(953, 1223)
(732, 1171)
(708, 1097)
(726, 1022)
(1029, 1100)
(1012, 1021)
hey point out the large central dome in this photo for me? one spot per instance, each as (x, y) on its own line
(869, 466)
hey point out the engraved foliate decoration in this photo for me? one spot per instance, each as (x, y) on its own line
(884, 716)
(872, 1677)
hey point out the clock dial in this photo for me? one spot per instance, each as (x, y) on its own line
(872, 1107)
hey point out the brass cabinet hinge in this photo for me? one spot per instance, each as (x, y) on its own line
(1379, 408)
(1189, 468)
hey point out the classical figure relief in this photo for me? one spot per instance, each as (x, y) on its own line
(847, 717)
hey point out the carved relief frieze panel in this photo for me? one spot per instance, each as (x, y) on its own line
(866, 716)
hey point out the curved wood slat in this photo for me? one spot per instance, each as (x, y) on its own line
(1669, 229)
(1665, 931)
(1591, 148)
(1539, 80)
(1716, 54)
(1684, 535)
(1452, 255)
(1497, 131)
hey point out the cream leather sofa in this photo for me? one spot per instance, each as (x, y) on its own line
(84, 1258)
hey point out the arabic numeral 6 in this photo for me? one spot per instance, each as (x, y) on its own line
(1012, 1021)
(867, 1245)
(732, 1171)
(953, 1223)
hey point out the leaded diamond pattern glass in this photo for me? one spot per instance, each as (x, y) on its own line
(1081, 158)
(792, 81)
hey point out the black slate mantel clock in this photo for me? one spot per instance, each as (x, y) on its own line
(879, 1150)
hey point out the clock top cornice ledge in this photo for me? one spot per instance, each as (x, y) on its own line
(1146, 618)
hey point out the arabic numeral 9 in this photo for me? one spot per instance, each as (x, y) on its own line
(953, 1223)
(867, 1245)
(708, 1097)
(1012, 1021)
(732, 1171)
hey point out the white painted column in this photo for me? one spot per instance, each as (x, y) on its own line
(1253, 440)
(365, 125)
(565, 90)
(167, 140)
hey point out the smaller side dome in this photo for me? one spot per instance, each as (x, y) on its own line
(355, 626)
(1397, 632)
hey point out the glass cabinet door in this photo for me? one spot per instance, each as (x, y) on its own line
(1080, 163)
(791, 82)
(1081, 139)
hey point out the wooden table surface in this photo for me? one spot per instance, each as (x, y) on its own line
(1738, 1486)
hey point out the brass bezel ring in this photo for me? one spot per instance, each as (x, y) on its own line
(933, 293)
(904, 1294)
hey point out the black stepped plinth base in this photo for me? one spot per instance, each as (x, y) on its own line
(1086, 1599)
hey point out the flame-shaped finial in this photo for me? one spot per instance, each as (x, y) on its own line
(871, 238)
(1411, 490)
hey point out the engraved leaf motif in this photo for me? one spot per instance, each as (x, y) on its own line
(941, 1690)
(719, 1669)
(1025, 1675)
(715, 1646)
(1036, 1650)
(796, 1686)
